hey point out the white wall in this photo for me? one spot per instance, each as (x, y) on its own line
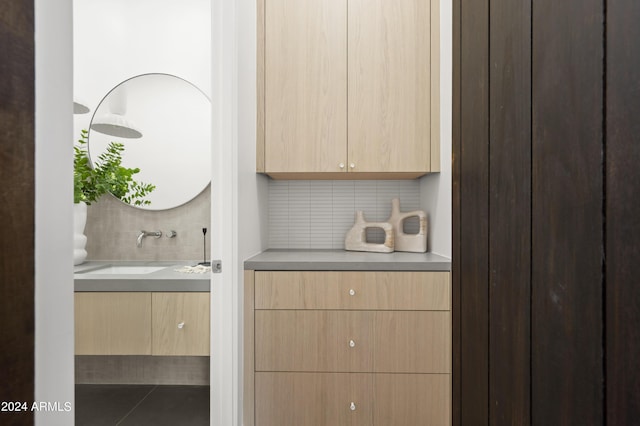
(53, 202)
(117, 39)
(436, 189)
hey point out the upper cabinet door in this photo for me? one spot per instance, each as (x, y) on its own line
(389, 85)
(305, 85)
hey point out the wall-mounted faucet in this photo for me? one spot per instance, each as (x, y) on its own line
(143, 234)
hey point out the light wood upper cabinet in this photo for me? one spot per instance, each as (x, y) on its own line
(348, 89)
(389, 85)
(305, 85)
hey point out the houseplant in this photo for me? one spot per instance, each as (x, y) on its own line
(107, 175)
(90, 182)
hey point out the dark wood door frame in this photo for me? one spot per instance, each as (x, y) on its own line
(622, 226)
(17, 213)
(546, 252)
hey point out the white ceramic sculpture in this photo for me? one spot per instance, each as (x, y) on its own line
(408, 242)
(356, 239)
(79, 239)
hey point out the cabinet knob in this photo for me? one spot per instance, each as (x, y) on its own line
(352, 292)
(352, 344)
(352, 165)
(352, 407)
(181, 325)
(341, 165)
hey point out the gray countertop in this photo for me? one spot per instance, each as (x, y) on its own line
(341, 260)
(165, 280)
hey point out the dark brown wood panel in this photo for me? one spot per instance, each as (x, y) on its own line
(17, 95)
(623, 212)
(583, 243)
(567, 72)
(473, 160)
(510, 212)
(455, 259)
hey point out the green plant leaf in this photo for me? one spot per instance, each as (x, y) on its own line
(107, 175)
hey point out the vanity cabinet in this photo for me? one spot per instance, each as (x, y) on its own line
(180, 323)
(348, 89)
(112, 323)
(347, 347)
(141, 323)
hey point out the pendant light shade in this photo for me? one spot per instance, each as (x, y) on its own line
(80, 107)
(114, 123)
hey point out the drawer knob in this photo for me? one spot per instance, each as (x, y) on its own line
(352, 165)
(341, 165)
(352, 344)
(352, 407)
(352, 292)
(181, 325)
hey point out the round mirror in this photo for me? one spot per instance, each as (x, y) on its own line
(164, 123)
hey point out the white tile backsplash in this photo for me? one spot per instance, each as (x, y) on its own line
(279, 214)
(321, 214)
(318, 214)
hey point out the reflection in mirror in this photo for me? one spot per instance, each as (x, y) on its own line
(114, 122)
(174, 149)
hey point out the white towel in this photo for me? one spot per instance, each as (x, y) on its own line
(198, 269)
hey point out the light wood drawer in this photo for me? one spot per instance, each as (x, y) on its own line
(112, 323)
(300, 399)
(133, 323)
(180, 324)
(412, 342)
(314, 341)
(412, 399)
(353, 341)
(352, 290)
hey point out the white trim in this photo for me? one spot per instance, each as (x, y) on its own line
(224, 286)
(54, 374)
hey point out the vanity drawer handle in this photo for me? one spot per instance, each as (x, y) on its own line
(352, 292)
(181, 325)
(352, 344)
(352, 407)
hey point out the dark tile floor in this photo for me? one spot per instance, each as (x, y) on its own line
(139, 405)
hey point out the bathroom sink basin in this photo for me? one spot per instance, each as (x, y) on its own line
(131, 269)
